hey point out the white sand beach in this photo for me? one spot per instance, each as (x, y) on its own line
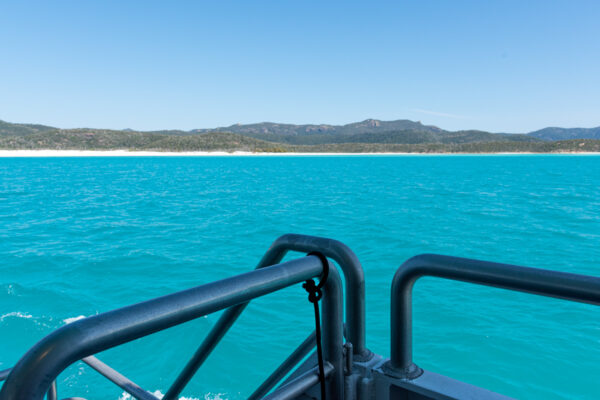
(128, 153)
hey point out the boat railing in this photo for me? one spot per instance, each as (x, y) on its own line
(352, 371)
(355, 301)
(34, 375)
(562, 285)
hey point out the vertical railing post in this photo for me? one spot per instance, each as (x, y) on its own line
(573, 287)
(32, 376)
(355, 301)
(333, 332)
(52, 392)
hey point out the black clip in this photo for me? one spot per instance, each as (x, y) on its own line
(314, 290)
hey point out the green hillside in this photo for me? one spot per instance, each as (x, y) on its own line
(566, 133)
(394, 137)
(366, 126)
(8, 129)
(280, 138)
(87, 139)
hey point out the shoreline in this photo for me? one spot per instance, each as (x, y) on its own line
(133, 153)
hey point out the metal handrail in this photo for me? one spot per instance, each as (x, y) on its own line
(353, 275)
(299, 385)
(105, 370)
(286, 366)
(52, 392)
(355, 301)
(4, 374)
(118, 379)
(38, 368)
(573, 287)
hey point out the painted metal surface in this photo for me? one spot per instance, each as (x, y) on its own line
(34, 373)
(579, 288)
(352, 371)
(298, 386)
(355, 300)
(285, 368)
(118, 379)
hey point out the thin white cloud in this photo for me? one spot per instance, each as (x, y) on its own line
(439, 114)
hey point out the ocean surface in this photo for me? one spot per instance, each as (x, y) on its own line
(80, 236)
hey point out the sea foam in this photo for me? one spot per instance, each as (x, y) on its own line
(16, 314)
(160, 395)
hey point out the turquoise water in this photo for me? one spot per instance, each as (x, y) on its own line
(79, 236)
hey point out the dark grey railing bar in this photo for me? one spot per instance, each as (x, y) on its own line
(286, 366)
(33, 374)
(332, 340)
(353, 275)
(4, 374)
(355, 301)
(118, 379)
(52, 392)
(301, 384)
(579, 288)
(333, 337)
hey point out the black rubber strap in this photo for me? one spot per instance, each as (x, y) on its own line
(314, 295)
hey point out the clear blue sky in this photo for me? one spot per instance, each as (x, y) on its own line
(504, 66)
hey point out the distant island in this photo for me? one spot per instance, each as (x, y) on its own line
(369, 136)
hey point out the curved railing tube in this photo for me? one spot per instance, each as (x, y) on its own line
(355, 301)
(353, 275)
(332, 322)
(579, 288)
(4, 374)
(31, 377)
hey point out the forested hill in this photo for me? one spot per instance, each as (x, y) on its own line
(366, 126)
(367, 131)
(366, 136)
(566, 133)
(102, 139)
(6, 128)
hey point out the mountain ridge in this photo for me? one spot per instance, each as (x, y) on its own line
(362, 127)
(556, 133)
(365, 136)
(366, 126)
